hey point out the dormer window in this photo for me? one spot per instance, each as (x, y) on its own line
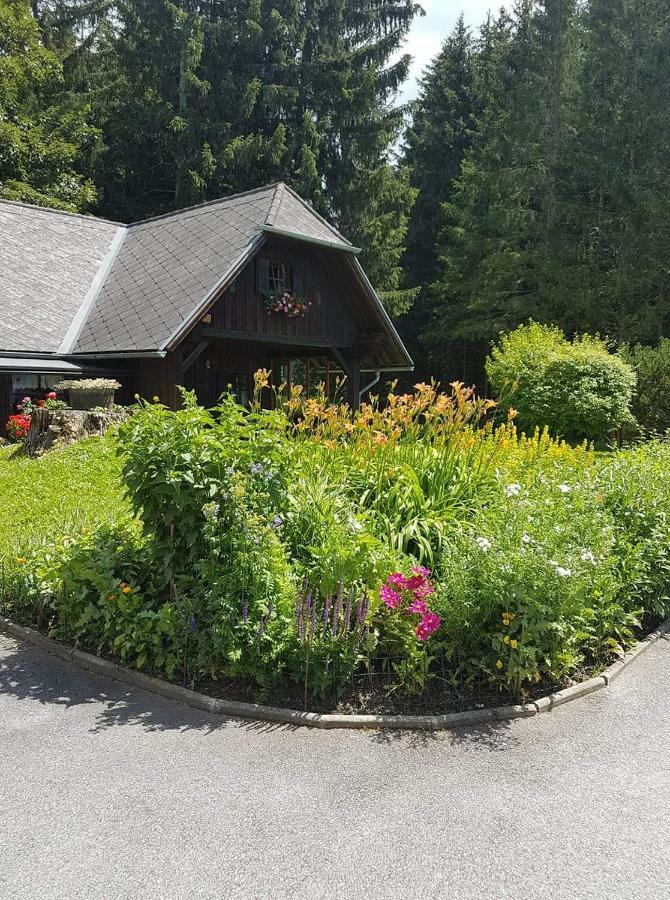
(280, 277)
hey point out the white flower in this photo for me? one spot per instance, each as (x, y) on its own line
(483, 544)
(513, 490)
(354, 525)
(564, 488)
(526, 538)
(588, 556)
(564, 573)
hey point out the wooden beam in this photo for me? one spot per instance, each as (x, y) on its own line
(195, 354)
(279, 340)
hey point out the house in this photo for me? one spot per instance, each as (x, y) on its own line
(189, 298)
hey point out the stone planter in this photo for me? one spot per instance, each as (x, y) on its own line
(87, 398)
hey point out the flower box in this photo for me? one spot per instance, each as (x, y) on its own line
(90, 393)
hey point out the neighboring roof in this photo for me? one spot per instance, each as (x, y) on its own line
(79, 285)
(48, 261)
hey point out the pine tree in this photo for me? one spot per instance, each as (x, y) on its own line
(621, 170)
(436, 142)
(46, 139)
(503, 229)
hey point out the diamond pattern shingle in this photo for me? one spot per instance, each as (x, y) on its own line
(166, 267)
(150, 283)
(48, 261)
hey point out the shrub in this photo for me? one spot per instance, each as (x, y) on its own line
(578, 389)
(651, 403)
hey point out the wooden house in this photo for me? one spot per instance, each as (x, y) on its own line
(202, 297)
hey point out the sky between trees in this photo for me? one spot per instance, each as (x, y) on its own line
(429, 31)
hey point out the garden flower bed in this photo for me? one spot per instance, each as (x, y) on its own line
(421, 556)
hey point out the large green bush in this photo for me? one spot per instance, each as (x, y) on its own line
(577, 389)
(651, 403)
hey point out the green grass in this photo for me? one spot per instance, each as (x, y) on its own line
(69, 489)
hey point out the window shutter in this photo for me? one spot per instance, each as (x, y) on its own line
(263, 275)
(298, 287)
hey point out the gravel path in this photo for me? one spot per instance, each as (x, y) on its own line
(109, 792)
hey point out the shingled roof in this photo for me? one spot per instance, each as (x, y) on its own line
(48, 264)
(73, 285)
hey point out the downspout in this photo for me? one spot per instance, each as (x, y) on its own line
(368, 387)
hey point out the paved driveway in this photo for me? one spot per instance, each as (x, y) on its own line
(110, 792)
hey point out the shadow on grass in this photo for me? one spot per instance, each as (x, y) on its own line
(28, 673)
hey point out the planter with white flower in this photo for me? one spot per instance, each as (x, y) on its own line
(90, 393)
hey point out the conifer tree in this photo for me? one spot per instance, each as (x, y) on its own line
(46, 139)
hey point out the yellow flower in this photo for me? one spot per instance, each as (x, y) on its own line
(514, 644)
(111, 597)
(21, 560)
(506, 639)
(499, 664)
(126, 589)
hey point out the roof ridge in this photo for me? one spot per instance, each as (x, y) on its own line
(81, 317)
(61, 212)
(275, 206)
(187, 209)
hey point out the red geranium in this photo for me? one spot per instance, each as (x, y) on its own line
(17, 427)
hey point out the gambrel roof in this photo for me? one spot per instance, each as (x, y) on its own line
(72, 284)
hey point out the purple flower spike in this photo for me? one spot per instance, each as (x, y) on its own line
(347, 613)
(193, 623)
(245, 612)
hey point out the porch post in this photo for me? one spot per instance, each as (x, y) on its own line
(354, 384)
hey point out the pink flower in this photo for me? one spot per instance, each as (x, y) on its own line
(415, 582)
(52, 395)
(398, 579)
(390, 597)
(424, 590)
(429, 624)
(418, 606)
(421, 570)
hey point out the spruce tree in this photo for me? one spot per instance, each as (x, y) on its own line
(436, 142)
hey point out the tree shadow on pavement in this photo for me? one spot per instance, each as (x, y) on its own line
(493, 736)
(29, 674)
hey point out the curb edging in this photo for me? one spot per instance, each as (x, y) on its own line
(283, 716)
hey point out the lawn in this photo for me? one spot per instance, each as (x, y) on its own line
(41, 499)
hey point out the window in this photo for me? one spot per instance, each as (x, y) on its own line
(280, 277)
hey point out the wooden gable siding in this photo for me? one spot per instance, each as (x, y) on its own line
(330, 320)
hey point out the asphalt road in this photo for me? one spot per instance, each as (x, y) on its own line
(109, 792)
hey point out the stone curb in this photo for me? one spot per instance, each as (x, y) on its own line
(257, 712)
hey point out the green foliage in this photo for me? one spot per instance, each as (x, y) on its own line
(46, 138)
(557, 210)
(578, 389)
(265, 537)
(651, 403)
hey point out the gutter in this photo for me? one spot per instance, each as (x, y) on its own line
(369, 387)
(120, 354)
(318, 242)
